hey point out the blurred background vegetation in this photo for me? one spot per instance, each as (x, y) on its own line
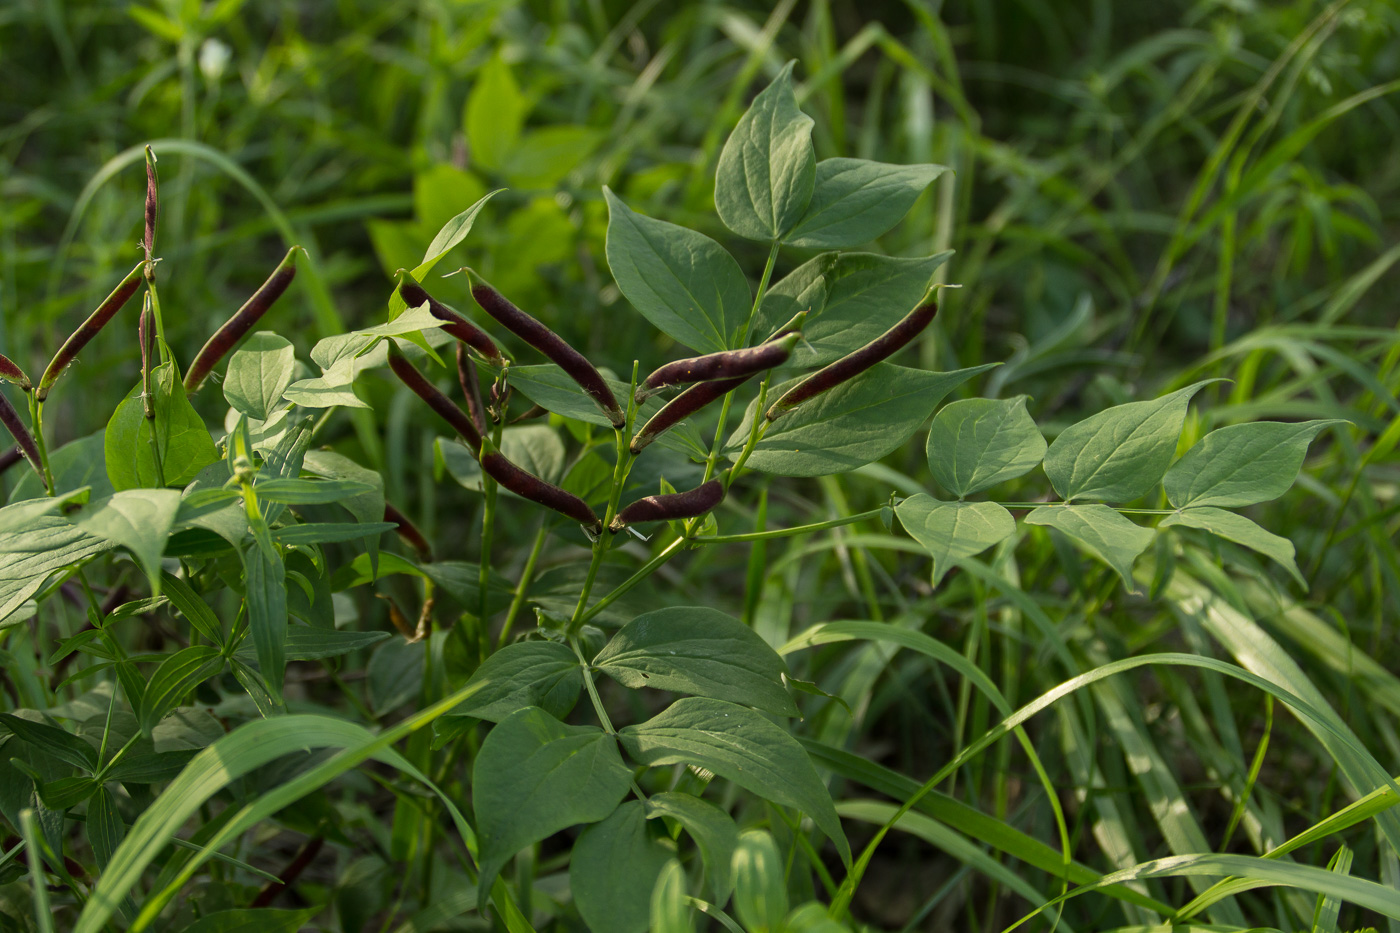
(1144, 194)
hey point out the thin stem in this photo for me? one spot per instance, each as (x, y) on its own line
(488, 528)
(593, 696)
(36, 423)
(642, 573)
(788, 532)
(523, 587)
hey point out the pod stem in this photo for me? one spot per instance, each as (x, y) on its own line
(242, 321)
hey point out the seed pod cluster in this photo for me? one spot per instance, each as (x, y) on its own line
(89, 329)
(529, 486)
(550, 344)
(236, 327)
(726, 365)
(683, 406)
(688, 504)
(853, 364)
(461, 328)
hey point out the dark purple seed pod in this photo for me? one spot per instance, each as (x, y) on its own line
(529, 486)
(9, 372)
(11, 420)
(725, 365)
(236, 327)
(464, 330)
(148, 242)
(681, 407)
(437, 401)
(853, 364)
(471, 388)
(88, 329)
(409, 533)
(550, 344)
(687, 504)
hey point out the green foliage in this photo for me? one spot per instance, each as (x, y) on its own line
(258, 656)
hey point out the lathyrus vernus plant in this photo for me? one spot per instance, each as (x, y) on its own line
(700, 808)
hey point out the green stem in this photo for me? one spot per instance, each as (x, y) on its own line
(483, 577)
(36, 422)
(642, 573)
(789, 532)
(523, 587)
(160, 321)
(592, 688)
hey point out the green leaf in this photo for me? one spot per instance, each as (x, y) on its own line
(174, 679)
(700, 651)
(309, 491)
(39, 546)
(950, 531)
(812, 917)
(452, 233)
(137, 519)
(544, 157)
(329, 532)
(738, 744)
(76, 464)
(253, 920)
(768, 167)
(53, 741)
(265, 577)
(855, 201)
(1234, 527)
(318, 393)
(176, 436)
(105, 829)
(855, 423)
(394, 674)
(1101, 531)
(681, 281)
(192, 607)
(612, 870)
(850, 299)
(1242, 464)
(535, 776)
(1121, 453)
(495, 114)
(259, 373)
(979, 442)
(760, 881)
(527, 673)
(712, 829)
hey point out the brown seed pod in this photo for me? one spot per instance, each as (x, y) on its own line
(686, 504)
(529, 486)
(409, 532)
(464, 330)
(529, 414)
(88, 329)
(682, 406)
(725, 365)
(853, 364)
(471, 388)
(242, 321)
(437, 401)
(550, 344)
(9, 372)
(11, 420)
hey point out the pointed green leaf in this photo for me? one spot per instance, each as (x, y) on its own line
(760, 881)
(767, 168)
(853, 424)
(670, 911)
(681, 281)
(700, 651)
(613, 868)
(855, 200)
(1121, 453)
(1242, 464)
(174, 679)
(950, 531)
(452, 233)
(979, 442)
(495, 115)
(1234, 527)
(265, 577)
(167, 450)
(535, 776)
(1101, 531)
(527, 673)
(850, 299)
(137, 519)
(259, 373)
(741, 745)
